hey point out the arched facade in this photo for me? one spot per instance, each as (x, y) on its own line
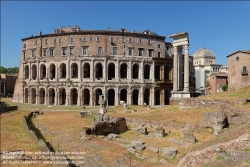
(78, 72)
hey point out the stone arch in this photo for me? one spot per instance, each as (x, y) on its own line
(157, 97)
(123, 95)
(34, 72)
(146, 71)
(98, 92)
(98, 70)
(86, 96)
(166, 72)
(74, 70)
(73, 96)
(33, 95)
(42, 96)
(146, 96)
(42, 71)
(62, 96)
(63, 70)
(111, 97)
(166, 97)
(26, 72)
(86, 70)
(157, 72)
(52, 71)
(135, 71)
(111, 71)
(26, 95)
(51, 96)
(135, 97)
(123, 70)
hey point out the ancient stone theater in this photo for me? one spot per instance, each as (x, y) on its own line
(73, 67)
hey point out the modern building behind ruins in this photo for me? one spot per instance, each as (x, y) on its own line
(205, 66)
(74, 66)
(7, 84)
(238, 65)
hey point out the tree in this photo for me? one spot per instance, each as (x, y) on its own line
(8, 70)
(224, 88)
(207, 84)
(3, 69)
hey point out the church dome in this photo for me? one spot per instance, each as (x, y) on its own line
(204, 53)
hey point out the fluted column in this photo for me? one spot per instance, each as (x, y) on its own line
(175, 69)
(186, 69)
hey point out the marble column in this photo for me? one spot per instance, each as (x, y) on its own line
(175, 69)
(186, 69)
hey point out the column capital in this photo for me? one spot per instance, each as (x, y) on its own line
(175, 48)
(187, 46)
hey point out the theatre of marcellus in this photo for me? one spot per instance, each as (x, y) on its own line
(73, 67)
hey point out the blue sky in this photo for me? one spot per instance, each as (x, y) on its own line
(222, 27)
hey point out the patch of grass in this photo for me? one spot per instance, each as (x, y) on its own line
(14, 134)
(42, 107)
(220, 157)
(247, 150)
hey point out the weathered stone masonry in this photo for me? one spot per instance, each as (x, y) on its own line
(74, 68)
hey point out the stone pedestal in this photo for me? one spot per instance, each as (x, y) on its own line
(178, 96)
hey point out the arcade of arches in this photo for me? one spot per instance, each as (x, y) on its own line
(81, 82)
(90, 96)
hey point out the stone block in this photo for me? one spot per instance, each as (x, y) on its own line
(189, 137)
(169, 152)
(83, 113)
(159, 132)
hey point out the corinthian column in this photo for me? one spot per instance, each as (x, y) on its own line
(175, 69)
(186, 69)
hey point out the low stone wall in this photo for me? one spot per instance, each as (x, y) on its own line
(198, 103)
(211, 153)
(169, 124)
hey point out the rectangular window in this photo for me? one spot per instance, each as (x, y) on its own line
(71, 51)
(140, 51)
(60, 40)
(99, 50)
(159, 54)
(98, 39)
(140, 40)
(123, 40)
(33, 52)
(44, 52)
(130, 39)
(54, 41)
(112, 40)
(150, 53)
(114, 50)
(64, 51)
(51, 52)
(71, 39)
(36, 42)
(149, 42)
(159, 45)
(90, 39)
(46, 41)
(84, 50)
(130, 52)
(84, 39)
